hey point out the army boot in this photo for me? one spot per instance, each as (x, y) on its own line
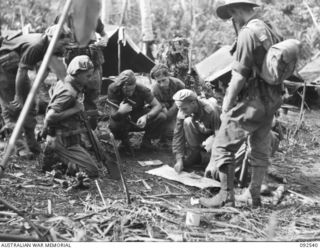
(225, 197)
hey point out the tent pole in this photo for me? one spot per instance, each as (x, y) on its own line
(119, 57)
(33, 90)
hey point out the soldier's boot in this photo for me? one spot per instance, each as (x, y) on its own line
(225, 197)
(33, 145)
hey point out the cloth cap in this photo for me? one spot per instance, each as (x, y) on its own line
(222, 10)
(126, 78)
(79, 63)
(185, 95)
(64, 33)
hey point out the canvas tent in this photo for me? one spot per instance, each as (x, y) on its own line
(216, 69)
(216, 65)
(130, 55)
(311, 72)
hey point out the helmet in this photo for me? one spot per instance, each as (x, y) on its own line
(222, 10)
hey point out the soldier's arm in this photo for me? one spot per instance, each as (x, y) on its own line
(53, 116)
(235, 86)
(21, 79)
(241, 69)
(172, 111)
(178, 141)
(155, 108)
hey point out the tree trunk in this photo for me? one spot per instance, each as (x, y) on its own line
(146, 26)
(106, 11)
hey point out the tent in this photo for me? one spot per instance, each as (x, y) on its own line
(311, 71)
(130, 55)
(216, 69)
(216, 65)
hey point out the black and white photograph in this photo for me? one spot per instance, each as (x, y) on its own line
(182, 121)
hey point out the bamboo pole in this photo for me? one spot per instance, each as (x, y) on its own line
(312, 15)
(33, 90)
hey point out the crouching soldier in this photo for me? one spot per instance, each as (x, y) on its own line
(131, 98)
(164, 89)
(197, 120)
(62, 121)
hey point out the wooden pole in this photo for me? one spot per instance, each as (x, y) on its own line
(106, 11)
(33, 91)
(312, 15)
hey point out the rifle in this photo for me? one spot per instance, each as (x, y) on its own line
(129, 101)
(115, 174)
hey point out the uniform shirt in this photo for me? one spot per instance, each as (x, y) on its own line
(208, 115)
(64, 97)
(34, 54)
(165, 96)
(250, 53)
(142, 95)
(21, 43)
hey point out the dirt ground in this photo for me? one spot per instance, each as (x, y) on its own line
(158, 206)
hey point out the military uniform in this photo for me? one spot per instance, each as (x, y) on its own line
(166, 100)
(250, 118)
(63, 139)
(24, 51)
(194, 129)
(93, 87)
(119, 123)
(253, 114)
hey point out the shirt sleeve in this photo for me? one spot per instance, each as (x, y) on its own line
(244, 59)
(147, 95)
(156, 93)
(178, 139)
(31, 57)
(112, 96)
(180, 85)
(62, 102)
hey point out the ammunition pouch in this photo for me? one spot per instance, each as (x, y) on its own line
(66, 137)
(92, 51)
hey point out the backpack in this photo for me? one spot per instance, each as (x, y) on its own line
(281, 57)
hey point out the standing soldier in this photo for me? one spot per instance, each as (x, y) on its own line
(248, 107)
(62, 124)
(164, 89)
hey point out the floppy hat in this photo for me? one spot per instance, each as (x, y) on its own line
(222, 10)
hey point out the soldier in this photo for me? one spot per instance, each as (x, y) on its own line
(62, 124)
(132, 97)
(164, 89)
(197, 120)
(17, 57)
(94, 50)
(248, 109)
